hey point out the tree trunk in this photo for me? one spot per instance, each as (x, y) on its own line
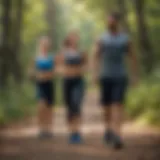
(10, 41)
(5, 42)
(17, 25)
(144, 41)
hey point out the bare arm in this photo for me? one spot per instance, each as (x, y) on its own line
(85, 62)
(96, 60)
(133, 62)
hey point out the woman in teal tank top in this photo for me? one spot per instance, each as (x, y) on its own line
(112, 49)
(43, 72)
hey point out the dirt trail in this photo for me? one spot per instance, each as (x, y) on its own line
(20, 142)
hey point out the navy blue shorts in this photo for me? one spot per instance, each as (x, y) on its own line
(73, 95)
(45, 91)
(113, 90)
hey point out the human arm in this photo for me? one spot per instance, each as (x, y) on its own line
(133, 63)
(95, 64)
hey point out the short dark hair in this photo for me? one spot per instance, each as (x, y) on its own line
(116, 15)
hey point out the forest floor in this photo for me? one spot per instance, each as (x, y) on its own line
(19, 142)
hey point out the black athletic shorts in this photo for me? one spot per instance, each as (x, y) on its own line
(46, 91)
(113, 90)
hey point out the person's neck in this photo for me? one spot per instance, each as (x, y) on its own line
(44, 53)
(72, 48)
(114, 31)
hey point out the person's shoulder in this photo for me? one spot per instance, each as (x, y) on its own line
(125, 35)
(51, 55)
(103, 36)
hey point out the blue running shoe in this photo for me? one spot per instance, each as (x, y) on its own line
(75, 138)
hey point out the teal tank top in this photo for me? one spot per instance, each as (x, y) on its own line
(113, 51)
(44, 63)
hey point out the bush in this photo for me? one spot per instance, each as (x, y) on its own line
(19, 102)
(144, 103)
(15, 103)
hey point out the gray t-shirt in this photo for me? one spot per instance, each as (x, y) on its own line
(113, 51)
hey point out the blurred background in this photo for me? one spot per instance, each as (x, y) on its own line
(22, 22)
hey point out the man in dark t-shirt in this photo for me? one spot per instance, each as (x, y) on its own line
(112, 49)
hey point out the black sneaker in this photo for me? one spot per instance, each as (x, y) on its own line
(117, 142)
(108, 136)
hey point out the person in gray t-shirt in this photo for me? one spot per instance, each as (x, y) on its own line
(112, 49)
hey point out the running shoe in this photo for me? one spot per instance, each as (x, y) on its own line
(117, 142)
(108, 136)
(75, 138)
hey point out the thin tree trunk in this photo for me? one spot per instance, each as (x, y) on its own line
(5, 42)
(10, 41)
(6, 22)
(16, 69)
(144, 41)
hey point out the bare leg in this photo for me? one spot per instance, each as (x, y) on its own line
(49, 119)
(41, 116)
(107, 117)
(117, 115)
(44, 117)
(117, 118)
(74, 124)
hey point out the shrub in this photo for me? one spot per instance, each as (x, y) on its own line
(144, 102)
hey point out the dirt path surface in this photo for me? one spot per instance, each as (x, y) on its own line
(19, 142)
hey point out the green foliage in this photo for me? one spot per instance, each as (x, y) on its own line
(16, 102)
(34, 22)
(88, 16)
(144, 103)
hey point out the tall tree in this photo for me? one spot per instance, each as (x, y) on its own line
(5, 41)
(144, 41)
(10, 40)
(17, 28)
